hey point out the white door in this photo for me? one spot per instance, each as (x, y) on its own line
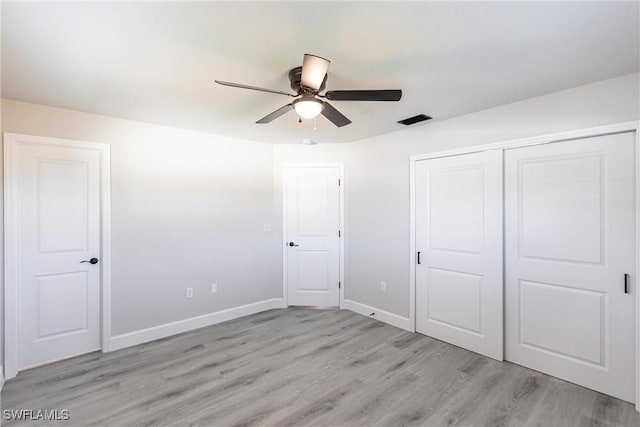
(570, 240)
(312, 227)
(58, 216)
(459, 251)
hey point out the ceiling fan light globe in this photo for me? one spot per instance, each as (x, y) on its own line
(308, 108)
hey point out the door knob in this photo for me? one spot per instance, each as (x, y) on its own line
(292, 244)
(91, 261)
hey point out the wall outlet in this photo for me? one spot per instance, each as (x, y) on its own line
(383, 286)
(189, 292)
(214, 288)
(267, 228)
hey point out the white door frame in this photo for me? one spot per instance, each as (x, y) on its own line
(524, 142)
(285, 167)
(11, 142)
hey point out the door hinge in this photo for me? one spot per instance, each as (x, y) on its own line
(339, 285)
(339, 234)
(338, 182)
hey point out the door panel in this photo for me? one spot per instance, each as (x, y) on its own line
(312, 224)
(62, 304)
(576, 310)
(62, 204)
(312, 204)
(459, 237)
(58, 227)
(448, 289)
(570, 239)
(313, 270)
(455, 220)
(572, 186)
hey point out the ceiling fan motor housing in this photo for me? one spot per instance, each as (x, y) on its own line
(295, 77)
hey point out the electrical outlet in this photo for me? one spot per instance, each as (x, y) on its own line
(383, 286)
(214, 288)
(267, 228)
(189, 292)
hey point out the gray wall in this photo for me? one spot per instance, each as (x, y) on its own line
(377, 174)
(188, 209)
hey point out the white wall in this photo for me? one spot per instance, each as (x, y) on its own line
(377, 174)
(188, 209)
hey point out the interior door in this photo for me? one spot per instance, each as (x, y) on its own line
(458, 218)
(58, 205)
(570, 241)
(312, 221)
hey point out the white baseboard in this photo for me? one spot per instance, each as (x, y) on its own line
(150, 334)
(381, 315)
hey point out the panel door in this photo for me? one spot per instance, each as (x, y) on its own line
(459, 251)
(313, 246)
(570, 240)
(58, 228)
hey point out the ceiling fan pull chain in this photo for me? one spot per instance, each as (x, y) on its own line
(315, 123)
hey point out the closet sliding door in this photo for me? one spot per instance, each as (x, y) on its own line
(569, 249)
(458, 225)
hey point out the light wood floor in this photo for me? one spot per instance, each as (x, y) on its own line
(299, 367)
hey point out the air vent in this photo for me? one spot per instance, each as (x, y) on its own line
(415, 119)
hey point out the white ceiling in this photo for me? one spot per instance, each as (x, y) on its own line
(156, 62)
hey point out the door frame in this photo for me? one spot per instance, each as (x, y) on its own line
(285, 168)
(11, 143)
(633, 126)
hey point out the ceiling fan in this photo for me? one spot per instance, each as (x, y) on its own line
(308, 81)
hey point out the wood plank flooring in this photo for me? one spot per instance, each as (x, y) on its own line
(305, 367)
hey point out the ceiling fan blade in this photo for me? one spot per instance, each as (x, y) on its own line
(279, 112)
(314, 69)
(261, 89)
(334, 116)
(364, 95)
